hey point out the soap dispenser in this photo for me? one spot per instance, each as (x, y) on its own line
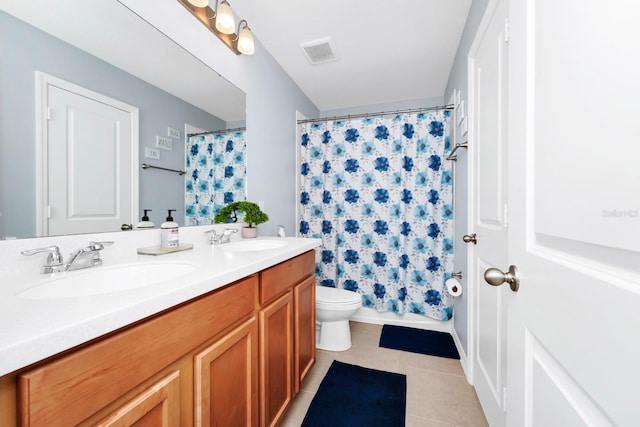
(144, 222)
(169, 232)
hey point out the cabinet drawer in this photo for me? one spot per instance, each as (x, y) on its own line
(57, 393)
(277, 279)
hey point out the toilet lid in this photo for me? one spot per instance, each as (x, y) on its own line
(336, 296)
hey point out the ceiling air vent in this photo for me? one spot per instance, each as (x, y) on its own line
(319, 51)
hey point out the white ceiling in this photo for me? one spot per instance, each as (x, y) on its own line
(389, 50)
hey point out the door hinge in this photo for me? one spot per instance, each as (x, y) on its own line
(48, 113)
(48, 211)
(507, 30)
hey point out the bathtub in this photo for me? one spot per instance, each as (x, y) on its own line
(369, 315)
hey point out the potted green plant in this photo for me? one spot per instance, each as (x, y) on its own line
(253, 216)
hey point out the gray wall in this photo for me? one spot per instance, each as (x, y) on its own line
(458, 81)
(37, 50)
(272, 101)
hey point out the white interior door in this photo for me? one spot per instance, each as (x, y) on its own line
(90, 157)
(488, 151)
(574, 325)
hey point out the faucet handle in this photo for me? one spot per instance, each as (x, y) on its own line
(213, 236)
(98, 246)
(54, 257)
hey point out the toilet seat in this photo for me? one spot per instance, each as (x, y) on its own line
(336, 297)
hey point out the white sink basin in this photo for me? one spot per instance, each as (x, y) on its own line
(105, 280)
(254, 245)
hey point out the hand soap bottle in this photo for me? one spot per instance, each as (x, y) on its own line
(144, 222)
(169, 233)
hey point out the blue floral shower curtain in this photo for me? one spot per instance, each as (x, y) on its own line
(379, 194)
(216, 172)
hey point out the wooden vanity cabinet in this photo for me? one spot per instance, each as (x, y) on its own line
(287, 333)
(146, 372)
(233, 357)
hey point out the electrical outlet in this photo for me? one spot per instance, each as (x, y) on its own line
(152, 153)
(164, 143)
(173, 133)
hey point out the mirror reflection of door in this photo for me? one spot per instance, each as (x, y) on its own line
(90, 155)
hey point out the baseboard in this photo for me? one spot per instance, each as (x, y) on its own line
(463, 356)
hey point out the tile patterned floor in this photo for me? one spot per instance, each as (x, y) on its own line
(430, 382)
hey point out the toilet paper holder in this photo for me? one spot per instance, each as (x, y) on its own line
(457, 275)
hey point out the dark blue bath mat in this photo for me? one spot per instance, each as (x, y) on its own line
(433, 343)
(353, 396)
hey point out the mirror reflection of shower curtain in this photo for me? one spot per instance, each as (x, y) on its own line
(216, 174)
(379, 194)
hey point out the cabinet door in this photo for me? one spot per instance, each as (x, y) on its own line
(226, 379)
(304, 303)
(158, 405)
(276, 359)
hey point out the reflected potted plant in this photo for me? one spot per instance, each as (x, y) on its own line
(253, 216)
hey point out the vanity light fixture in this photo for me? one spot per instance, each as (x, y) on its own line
(245, 39)
(221, 22)
(199, 3)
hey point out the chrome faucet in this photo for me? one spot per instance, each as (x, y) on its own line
(218, 239)
(85, 257)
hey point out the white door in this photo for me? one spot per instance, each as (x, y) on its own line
(574, 232)
(488, 210)
(90, 155)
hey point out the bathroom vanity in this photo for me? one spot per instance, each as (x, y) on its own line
(234, 354)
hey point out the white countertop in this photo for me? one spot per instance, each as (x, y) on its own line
(32, 330)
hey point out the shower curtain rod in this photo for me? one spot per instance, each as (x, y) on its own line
(211, 132)
(381, 113)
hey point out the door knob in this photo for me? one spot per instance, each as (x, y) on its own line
(496, 277)
(470, 238)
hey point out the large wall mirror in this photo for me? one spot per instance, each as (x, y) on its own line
(103, 47)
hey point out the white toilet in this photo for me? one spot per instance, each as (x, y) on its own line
(334, 308)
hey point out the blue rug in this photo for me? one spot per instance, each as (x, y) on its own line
(433, 343)
(353, 396)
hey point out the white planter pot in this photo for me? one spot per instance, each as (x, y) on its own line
(249, 232)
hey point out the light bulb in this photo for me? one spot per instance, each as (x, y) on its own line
(225, 22)
(245, 41)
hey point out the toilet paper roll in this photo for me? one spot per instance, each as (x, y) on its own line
(454, 287)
